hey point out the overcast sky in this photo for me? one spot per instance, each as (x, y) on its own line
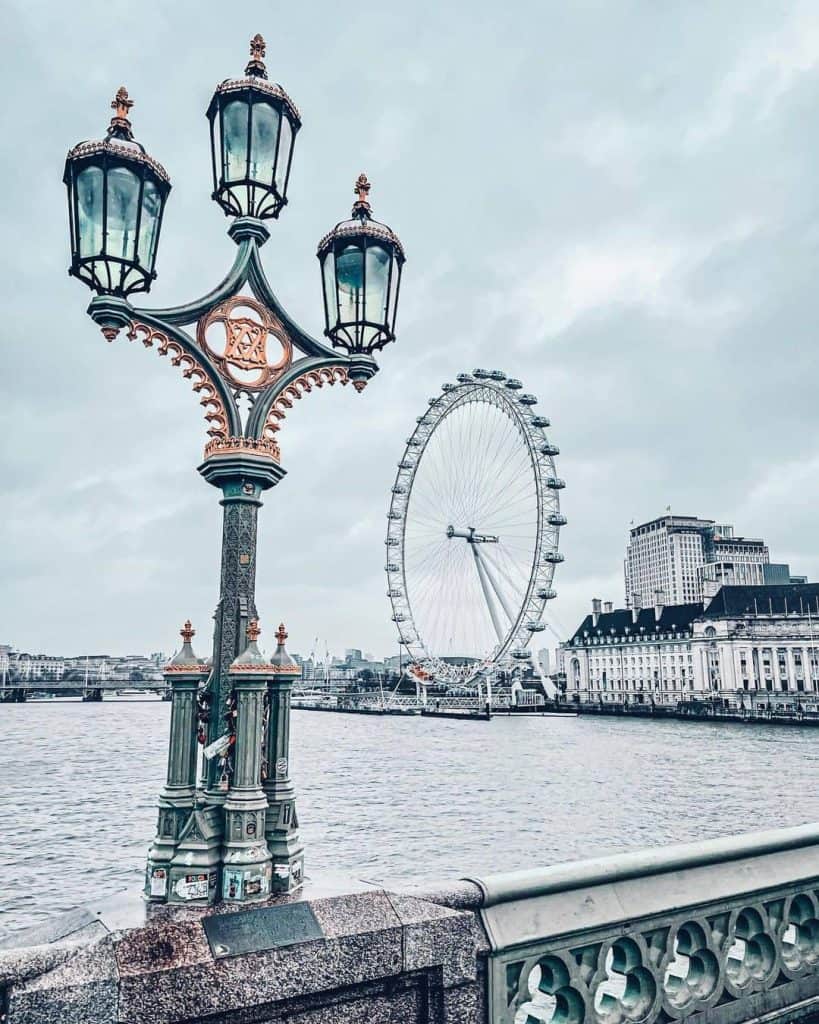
(615, 202)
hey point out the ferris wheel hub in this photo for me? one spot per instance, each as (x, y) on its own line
(470, 536)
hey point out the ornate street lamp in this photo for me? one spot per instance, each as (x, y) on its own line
(253, 125)
(248, 361)
(361, 263)
(116, 195)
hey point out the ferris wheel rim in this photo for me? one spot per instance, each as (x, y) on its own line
(494, 388)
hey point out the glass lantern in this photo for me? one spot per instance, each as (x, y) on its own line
(361, 263)
(253, 125)
(116, 198)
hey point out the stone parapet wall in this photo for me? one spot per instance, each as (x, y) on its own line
(376, 956)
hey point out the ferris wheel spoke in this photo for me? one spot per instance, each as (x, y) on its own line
(480, 496)
(507, 513)
(508, 488)
(512, 483)
(516, 587)
(434, 570)
(478, 453)
(509, 456)
(508, 482)
(516, 566)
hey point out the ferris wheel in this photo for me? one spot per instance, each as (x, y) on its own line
(473, 527)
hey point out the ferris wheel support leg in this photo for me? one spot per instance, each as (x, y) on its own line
(487, 566)
(548, 686)
(490, 604)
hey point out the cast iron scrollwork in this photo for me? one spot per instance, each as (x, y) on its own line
(253, 357)
(212, 396)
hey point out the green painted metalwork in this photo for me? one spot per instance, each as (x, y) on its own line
(203, 827)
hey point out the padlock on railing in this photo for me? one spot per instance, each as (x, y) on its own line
(220, 746)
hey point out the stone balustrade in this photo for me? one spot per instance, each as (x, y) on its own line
(723, 931)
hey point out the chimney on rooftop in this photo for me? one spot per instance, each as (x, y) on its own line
(596, 604)
(635, 606)
(659, 602)
(608, 607)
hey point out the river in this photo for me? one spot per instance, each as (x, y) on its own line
(387, 797)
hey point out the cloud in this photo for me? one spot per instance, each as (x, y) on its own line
(761, 75)
(615, 205)
(622, 267)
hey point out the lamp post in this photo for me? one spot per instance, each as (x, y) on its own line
(247, 361)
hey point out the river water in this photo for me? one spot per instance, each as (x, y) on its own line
(388, 797)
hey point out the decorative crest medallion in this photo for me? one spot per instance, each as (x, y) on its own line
(240, 349)
(246, 343)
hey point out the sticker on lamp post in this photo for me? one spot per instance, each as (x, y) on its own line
(159, 882)
(232, 885)
(193, 887)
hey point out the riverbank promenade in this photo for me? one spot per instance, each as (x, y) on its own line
(722, 931)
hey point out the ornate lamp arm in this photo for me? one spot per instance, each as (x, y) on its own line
(240, 363)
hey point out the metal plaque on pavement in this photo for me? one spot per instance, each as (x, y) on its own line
(253, 931)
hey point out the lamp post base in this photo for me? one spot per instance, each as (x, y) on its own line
(286, 848)
(195, 870)
(173, 813)
(246, 870)
(288, 864)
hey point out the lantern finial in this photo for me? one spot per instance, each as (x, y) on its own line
(256, 66)
(361, 207)
(187, 632)
(253, 630)
(281, 634)
(121, 105)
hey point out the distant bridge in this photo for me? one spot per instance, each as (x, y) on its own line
(92, 688)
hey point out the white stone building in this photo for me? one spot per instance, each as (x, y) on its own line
(714, 575)
(36, 666)
(5, 662)
(758, 644)
(668, 555)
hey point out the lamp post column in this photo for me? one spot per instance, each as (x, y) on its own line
(245, 857)
(184, 674)
(242, 477)
(282, 830)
